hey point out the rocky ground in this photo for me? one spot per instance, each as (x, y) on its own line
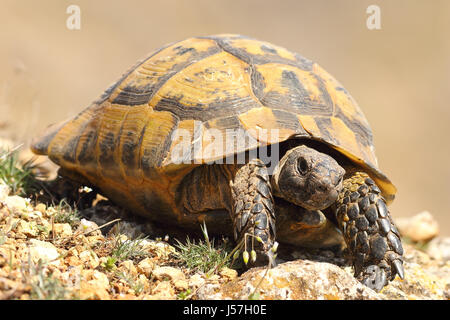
(55, 252)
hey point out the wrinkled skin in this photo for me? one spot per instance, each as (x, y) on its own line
(308, 178)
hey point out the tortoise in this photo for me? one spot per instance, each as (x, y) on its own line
(252, 139)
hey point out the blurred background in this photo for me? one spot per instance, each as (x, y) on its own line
(399, 75)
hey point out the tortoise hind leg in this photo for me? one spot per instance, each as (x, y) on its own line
(369, 232)
(253, 209)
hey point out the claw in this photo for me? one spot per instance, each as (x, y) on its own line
(398, 265)
(375, 278)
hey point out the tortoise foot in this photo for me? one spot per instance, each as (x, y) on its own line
(253, 213)
(369, 232)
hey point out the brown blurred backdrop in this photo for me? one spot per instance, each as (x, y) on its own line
(400, 75)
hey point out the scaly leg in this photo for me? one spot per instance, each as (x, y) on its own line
(253, 209)
(369, 232)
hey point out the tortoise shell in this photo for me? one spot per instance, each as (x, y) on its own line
(123, 142)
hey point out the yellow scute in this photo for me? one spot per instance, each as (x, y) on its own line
(219, 77)
(262, 124)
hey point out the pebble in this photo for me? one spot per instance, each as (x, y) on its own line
(128, 267)
(228, 273)
(168, 273)
(145, 267)
(43, 250)
(161, 249)
(40, 207)
(63, 230)
(90, 291)
(27, 229)
(196, 281)
(421, 227)
(439, 249)
(213, 278)
(89, 258)
(181, 285)
(99, 279)
(163, 291)
(87, 226)
(73, 261)
(16, 204)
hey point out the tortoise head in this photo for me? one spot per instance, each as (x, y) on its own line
(308, 178)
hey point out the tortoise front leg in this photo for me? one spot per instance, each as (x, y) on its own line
(369, 232)
(253, 209)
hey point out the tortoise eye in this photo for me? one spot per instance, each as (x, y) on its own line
(302, 166)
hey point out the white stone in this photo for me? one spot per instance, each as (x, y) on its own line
(28, 229)
(196, 281)
(63, 230)
(145, 267)
(170, 273)
(421, 227)
(88, 226)
(16, 204)
(43, 250)
(439, 249)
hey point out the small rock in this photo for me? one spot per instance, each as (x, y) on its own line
(99, 279)
(63, 230)
(93, 240)
(168, 273)
(196, 281)
(143, 280)
(88, 226)
(228, 273)
(181, 285)
(162, 291)
(33, 215)
(161, 249)
(11, 224)
(89, 258)
(41, 208)
(439, 249)
(50, 212)
(212, 292)
(43, 250)
(73, 261)
(89, 291)
(421, 227)
(128, 267)
(28, 229)
(46, 226)
(85, 255)
(145, 267)
(16, 204)
(213, 278)
(124, 296)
